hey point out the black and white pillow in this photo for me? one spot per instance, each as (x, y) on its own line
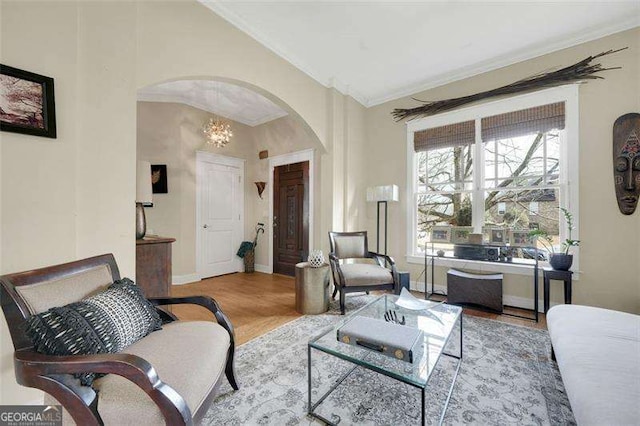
(106, 322)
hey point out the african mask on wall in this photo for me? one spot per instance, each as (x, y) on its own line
(626, 161)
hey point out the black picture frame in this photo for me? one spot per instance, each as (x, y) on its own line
(159, 184)
(48, 109)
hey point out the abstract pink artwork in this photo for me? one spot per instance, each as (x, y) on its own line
(26, 103)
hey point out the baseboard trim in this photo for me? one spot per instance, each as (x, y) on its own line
(262, 268)
(184, 279)
(515, 301)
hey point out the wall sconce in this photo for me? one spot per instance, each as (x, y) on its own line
(260, 186)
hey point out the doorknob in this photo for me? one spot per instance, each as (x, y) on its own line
(205, 226)
(275, 221)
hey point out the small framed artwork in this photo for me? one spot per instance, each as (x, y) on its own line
(159, 183)
(441, 234)
(460, 234)
(27, 103)
(520, 238)
(498, 236)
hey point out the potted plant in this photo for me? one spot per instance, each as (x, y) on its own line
(561, 260)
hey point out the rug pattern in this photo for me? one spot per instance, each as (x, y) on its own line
(506, 377)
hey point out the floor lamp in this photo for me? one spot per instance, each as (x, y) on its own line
(382, 195)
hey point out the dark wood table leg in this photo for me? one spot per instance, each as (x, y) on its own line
(546, 293)
(567, 290)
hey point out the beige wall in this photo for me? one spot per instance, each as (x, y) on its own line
(610, 272)
(184, 39)
(170, 133)
(73, 197)
(356, 166)
(282, 136)
(70, 197)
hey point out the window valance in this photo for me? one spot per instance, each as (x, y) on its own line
(451, 135)
(538, 119)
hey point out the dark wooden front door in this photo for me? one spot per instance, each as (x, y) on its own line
(290, 216)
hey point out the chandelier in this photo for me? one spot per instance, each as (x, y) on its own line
(218, 132)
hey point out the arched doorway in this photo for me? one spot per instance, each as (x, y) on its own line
(170, 118)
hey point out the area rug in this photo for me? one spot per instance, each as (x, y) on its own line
(506, 377)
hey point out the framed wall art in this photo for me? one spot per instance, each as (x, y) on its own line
(159, 182)
(441, 234)
(27, 103)
(498, 236)
(460, 234)
(520, 238)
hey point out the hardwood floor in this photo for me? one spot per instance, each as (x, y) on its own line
(257, 303)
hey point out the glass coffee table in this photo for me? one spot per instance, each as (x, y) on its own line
(439, 323)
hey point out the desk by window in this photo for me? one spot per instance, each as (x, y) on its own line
(504, 260)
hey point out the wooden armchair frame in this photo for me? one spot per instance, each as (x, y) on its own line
(338, 277)
(54, 374)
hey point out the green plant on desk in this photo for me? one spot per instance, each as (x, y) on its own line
(561, 260)
(547, 240)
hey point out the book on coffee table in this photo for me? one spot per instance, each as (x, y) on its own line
(398, 341)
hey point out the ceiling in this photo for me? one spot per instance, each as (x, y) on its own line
(224, 99)
(378, 51)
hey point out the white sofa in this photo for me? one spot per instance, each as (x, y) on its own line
(598, 354)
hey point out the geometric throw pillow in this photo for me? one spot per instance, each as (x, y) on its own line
(106, 322)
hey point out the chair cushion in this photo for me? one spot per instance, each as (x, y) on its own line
(365, 274)
(42, 296)
(189, 356)
(350, 246)
(106, 322)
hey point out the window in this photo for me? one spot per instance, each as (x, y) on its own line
(503, 165)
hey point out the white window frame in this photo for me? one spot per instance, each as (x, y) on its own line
(569, 170)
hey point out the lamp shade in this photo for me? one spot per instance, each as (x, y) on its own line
(383, 193)
(143, 182)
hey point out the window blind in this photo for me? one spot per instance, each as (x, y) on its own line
(524, 122)
(451, 135)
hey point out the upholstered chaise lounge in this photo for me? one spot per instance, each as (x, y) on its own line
(598, 354)
(169, 376)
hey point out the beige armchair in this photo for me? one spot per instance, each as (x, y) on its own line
(167, 377)
(356, 269)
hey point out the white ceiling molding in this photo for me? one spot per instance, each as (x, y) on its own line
(220, 8)
(379, 51)
(223, 99)
(461, 74)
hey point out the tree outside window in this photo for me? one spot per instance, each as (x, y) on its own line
(519, 176)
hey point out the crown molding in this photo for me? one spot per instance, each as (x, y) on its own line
(504, 61)
(219, 8)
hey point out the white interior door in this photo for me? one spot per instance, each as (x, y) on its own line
(220, 221)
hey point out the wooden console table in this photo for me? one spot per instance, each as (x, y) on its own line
(153, 266)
